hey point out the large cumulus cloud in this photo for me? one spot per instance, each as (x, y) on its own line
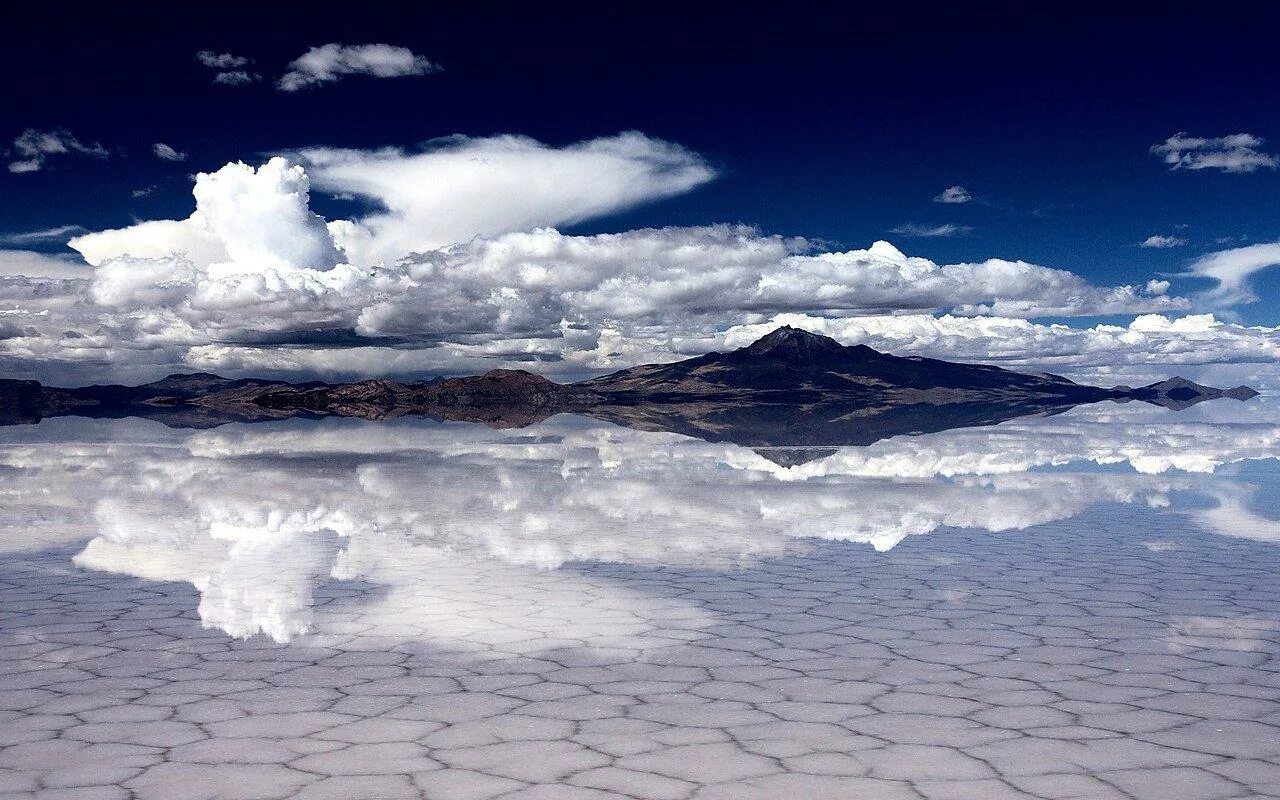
(457, 268)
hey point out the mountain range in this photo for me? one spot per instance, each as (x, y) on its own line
(790, 388)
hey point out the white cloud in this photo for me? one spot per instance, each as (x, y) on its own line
(1162, 242)
(236, 77)
(1232, 268)
(919, 231)
(446, 280)
(332, 61)
(245, 219)
(167, 153)
(230, 68)
(39, 265)
(1148, 339)
(33, 147)
(448, 192)
(215, 60)
(594, 301)
(153, 239)
(60, 233)
(954, 195)
(1235, 153)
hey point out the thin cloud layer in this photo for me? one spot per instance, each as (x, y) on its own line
(1240, 152)
(917, 230)
(330, 62)
(59, 233)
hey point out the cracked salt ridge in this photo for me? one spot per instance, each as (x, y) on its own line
(1069, 661)
(1119, 653)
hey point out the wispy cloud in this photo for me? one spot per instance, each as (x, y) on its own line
(33, 147)
(236, 77)
(215, 60)
(922, 231)
(953, 195)
(231, 68)
(165, 152)
(1161, 241)
(1232, 270)
(1239, 152)
(332, 61)
(60, 233)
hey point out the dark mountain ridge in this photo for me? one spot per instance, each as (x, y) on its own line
(791, 363)
(789, 387)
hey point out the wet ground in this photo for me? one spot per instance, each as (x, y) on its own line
(1078, 607)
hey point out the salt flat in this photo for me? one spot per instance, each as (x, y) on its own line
(1079, 607)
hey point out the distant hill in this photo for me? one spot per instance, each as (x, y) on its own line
(790, 387)
(791, 363)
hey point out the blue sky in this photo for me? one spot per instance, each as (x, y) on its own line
(838, 127)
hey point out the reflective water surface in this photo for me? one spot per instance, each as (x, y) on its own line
(1079, 606)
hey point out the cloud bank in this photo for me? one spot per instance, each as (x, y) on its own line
(439, 278)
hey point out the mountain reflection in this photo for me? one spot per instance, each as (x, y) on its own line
(419, 520)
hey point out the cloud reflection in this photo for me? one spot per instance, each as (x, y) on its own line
(466, 536)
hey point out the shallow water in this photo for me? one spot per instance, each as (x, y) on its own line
(1081, 606)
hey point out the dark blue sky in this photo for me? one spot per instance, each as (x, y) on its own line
(836, 124)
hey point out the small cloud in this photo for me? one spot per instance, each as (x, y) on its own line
(166, 153)
(215, 60)
(33, 147)
(1238, 152)
(916, 230)
(330, 62)
(236, 78)
(59, 234)
(1157, 287)
(1162, 242)
(954, 195)
(145, 190)
(230, 68)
